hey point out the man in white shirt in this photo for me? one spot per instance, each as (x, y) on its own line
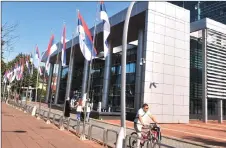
(143, 115)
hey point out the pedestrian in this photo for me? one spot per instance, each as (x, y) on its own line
(88, 110)
(17, 98)
(53, 98)
(67, 108)
(74, 97)
(79, 109)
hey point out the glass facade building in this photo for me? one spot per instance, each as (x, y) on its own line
(215, 10)
(166, 53)
(215, 76)
(97, 80)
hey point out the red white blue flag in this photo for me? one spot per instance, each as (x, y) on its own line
(37, 55)
(5, 76)
(106, 27)
(85, 39)
(49, 53)
(63, 55)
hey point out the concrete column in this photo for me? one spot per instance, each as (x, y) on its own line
(138, 82)
(70, 73)
(58, 82)
(85, 77)
(107, 80)
(220, 111)
(49, 83)
(204, 86)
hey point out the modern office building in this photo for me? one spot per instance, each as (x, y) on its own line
(163, 69)
(215, 10)
(207, 74)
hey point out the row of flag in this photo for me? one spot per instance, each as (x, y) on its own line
(85, 42)
(16, 72)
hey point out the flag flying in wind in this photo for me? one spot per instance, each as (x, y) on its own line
(37, 55)
(18, 70)
(21, 68)
(106, 27)
(5, 76)
(27, 63)
(31, 58)
(49, 53)
(63, 55)
(85, 39)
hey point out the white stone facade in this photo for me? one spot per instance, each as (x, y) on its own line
(167, 62)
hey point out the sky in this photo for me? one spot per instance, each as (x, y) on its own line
(36, 21)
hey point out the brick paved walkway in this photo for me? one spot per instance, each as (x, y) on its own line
(20, 130)
(211, 134)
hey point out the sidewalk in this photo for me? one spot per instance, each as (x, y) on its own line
(174, 138)
(20, 130)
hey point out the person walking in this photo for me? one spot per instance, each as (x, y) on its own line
(88, 110)
(67, 108)
(79, 109)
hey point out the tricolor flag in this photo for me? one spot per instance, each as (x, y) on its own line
(85, 39)
(106, 27)
(5, 76)
(40, 71)
(18, 71)
(37, 55)
(27, 63)
(21, 68)
(49, 53)
(31, 58)
(63, 55)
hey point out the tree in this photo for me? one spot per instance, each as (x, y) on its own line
(7, 41)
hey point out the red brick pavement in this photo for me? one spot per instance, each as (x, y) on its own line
(20, 130)
(211, 133)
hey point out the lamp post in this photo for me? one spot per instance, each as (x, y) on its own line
(197, 7)
(122, 132)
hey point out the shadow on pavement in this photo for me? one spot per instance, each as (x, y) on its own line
(17, 131)
(205, 141)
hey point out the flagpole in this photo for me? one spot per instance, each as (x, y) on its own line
(39, 108)
(28, 84)
(69, 77)
(44, 75)
(37, 77)
(89, 79)
(21, 80)
(50, 106)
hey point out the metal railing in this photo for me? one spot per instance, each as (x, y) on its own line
(54, 118)
(90, 133)
(77, 125)
(107, 138)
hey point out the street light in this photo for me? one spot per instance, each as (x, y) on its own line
(122, 132)
(197, 7)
